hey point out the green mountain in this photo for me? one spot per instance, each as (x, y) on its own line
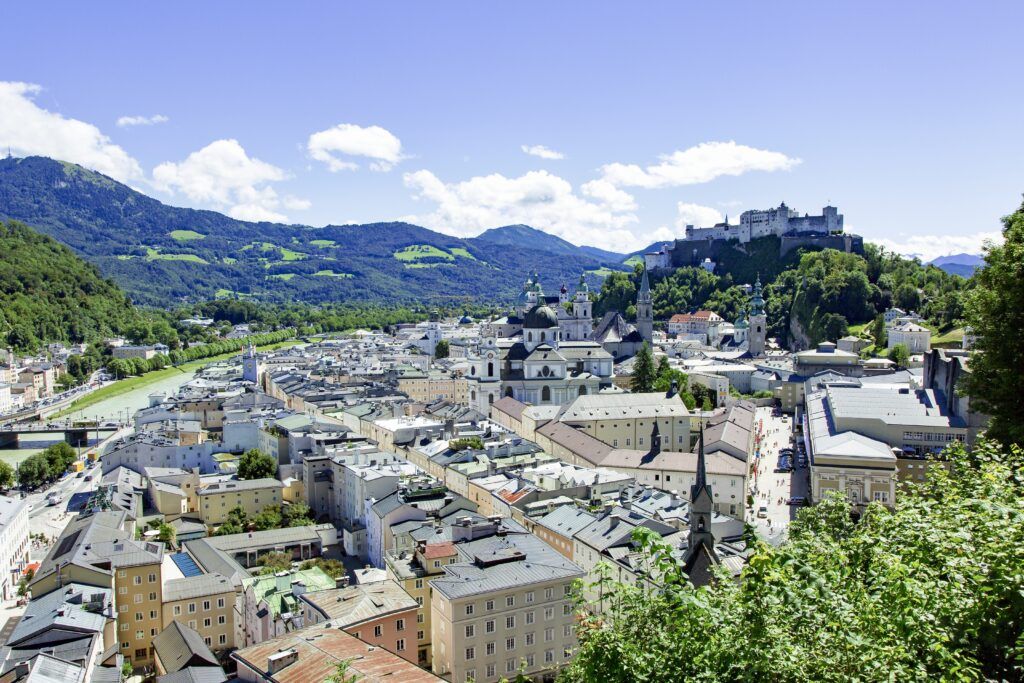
(49, 294)
(162, 254)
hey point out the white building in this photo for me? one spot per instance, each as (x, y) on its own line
(916, 338)
(13, 543)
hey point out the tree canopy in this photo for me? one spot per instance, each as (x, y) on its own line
(930, 590)
(255, 464)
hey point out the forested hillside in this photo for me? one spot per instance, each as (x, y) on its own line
(163, 255)
(49, 294)
(827, 292)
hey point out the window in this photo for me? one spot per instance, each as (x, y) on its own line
(510, 665)
(470, 653)
(489, 626)
(510, 621)
(469, 610)
(138, 616)
(140, 653)
(470, 630)
(124, 626)
(490, 605)
(206, 605)
(470, 675)
(122, 590)
(378, 631)
(549, 635)
(152, 577)
(419, 600)
(138, 599)
(207, 622)
(490, 648)
(529, 639)
(400, 644)
(549, 613)
(545, 393)
(490, 671)
(510, 643)
(437, 564)
(529, 661)
(400, 625)
(191, 608)
(547, 593)
(208, 641)
(549, 656)
(419, 583)
(221, 619)
(529, 617)
(567, 630)
(510, 601)
(419, 635)
(192, 623)
(220, 603)
(152, 614)
(137, 580)
(567, 590)
(152, 596)
(121, 573)
(222, 639)
(139, 635)
(419, 617)
(529, 597)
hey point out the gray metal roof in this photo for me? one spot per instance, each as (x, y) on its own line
(523, 559)
(566, 520)
(196, 586)
(73, 607)
(179, 646)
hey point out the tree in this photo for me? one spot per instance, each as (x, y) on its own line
(333, 568)
(274, 562)
(878, 332)
(442, 349)
(928, 590)
(341, 674)
(899, 355)
(6, 475)
(993, 311)
(907, 297)
(461, 444)
(643, 371)
(32, 471)
(296, 514)
(268, 518)
(255, 464)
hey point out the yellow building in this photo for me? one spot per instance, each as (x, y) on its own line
(413, 571)
(626, 420)
(139, 597)
(252, 495)
(205, 604)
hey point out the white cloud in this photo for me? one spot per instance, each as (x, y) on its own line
(929, 247)
(542, 152)
(375, 143)
(696, 215)
(224, 176)
(125, 121)
(30, 130)
(699, 164)
(537, 198)
(606, 193)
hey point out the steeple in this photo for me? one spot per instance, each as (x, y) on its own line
(644, 294)
(702, 472)
(700, 553)
(756, 299)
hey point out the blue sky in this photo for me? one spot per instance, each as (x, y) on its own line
(907, 116)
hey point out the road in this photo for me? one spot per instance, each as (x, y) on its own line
(770, 489)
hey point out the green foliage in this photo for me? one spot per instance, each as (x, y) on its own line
(6, 475)
(643, 371)
(341, 673)
(47, 294)
(994, 309)
(442, 349)
(930, 590)
(275, 562)
(899, 355)
(255, 464)
(333, 568)
(45, 466)
(461, 444)
(296, 514)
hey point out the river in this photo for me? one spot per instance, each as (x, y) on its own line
(119, 408)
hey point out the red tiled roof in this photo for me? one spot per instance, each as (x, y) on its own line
(435, 550)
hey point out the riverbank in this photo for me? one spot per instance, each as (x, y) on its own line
(129, 384)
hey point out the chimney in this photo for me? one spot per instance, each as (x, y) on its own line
(280, 660)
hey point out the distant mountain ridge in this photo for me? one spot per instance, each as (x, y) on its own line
(963, 265)
(162, 254)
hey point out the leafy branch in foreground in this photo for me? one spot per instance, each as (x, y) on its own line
(930, 590)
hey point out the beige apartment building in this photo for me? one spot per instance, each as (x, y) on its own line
(427, 387)
(252, 495)
(205, 604)
(412, 570)
(138, 588)
(626, 420)
(506, 604)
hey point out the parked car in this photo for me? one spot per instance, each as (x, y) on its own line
(797, 500)
(762, 511)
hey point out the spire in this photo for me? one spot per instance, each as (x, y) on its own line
(756, 299)
(702, 472)
(645, 289)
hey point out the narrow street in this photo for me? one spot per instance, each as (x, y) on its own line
(772, 490)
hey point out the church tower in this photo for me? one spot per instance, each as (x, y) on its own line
(250, 365)
(758, 322)
(700, 555)
(645, 310)
(580, 324)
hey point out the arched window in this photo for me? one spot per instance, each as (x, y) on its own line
(508, 391)
(472, 370)
(545, 394)
(583, 391)
(490, 369)
(545, 371)
(529, 336)
(490, 399)
(472, 395)
(543, 336)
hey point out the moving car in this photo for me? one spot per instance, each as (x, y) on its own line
(798, 500)
(762, 511)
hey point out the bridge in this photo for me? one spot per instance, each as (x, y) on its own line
(75, 433)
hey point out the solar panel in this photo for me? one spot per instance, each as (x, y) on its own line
(186, 564)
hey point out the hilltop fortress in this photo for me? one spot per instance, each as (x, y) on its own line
(824, 231)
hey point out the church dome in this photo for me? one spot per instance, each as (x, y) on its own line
(540, 317)
(741, 323)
